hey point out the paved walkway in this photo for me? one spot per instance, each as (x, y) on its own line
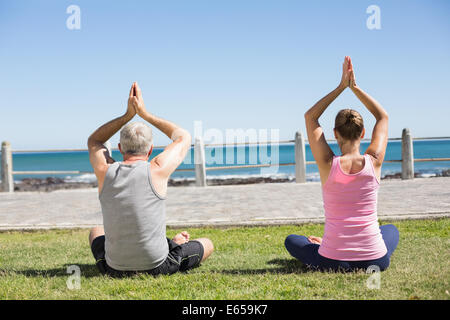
(258, 204)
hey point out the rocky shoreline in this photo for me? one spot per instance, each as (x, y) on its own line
(52, 184)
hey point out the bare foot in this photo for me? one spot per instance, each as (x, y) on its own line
(315, 240)
(181, 238)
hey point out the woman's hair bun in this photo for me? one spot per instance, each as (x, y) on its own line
(349, 124)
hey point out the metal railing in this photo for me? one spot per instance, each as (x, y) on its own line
(200, 167)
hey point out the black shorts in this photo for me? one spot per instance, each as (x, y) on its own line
(180, 258)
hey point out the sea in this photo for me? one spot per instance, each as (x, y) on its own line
(229, 156)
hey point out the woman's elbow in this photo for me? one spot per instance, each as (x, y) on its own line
(383, 116)
(310, 118)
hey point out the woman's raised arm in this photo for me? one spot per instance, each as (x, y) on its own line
(319, 147)
(377, 147)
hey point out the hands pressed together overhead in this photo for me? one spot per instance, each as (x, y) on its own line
(135, 101)
(348, 75)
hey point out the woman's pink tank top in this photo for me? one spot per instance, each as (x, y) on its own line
(351, 232)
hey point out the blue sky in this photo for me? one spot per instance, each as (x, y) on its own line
(230, 64)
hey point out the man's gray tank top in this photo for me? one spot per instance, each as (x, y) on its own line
(134, 218)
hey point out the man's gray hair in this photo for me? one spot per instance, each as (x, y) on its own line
(136, 138)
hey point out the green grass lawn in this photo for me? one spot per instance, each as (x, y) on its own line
(248, 263)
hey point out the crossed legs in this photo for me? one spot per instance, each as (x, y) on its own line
(301, 248)
(180, 238)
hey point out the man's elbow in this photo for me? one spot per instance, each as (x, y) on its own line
(182, 135)
(187, 138)
(91, 142)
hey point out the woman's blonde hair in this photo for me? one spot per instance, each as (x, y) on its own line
(349, 124)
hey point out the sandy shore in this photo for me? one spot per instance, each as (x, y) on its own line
(52, 184)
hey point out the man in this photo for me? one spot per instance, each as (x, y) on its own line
(132, 193)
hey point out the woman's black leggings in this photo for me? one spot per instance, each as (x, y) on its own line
(305, 251)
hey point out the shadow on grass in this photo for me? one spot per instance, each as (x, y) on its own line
(87, 271)
(286, 266)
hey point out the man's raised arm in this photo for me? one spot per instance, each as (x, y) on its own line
(172, 156)
(98, 154)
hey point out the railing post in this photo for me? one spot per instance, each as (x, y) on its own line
(199, 161)
(407, 155)
(7, 167)
(300, 158)
(107, 145)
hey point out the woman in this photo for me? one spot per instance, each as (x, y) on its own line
(352, 238)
